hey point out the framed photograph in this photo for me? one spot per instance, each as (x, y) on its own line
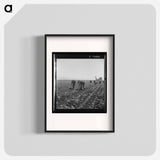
(79, 83)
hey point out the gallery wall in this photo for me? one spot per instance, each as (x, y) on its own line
(134, 29)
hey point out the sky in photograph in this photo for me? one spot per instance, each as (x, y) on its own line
(80, 69)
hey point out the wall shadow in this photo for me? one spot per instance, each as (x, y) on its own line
(39, 85)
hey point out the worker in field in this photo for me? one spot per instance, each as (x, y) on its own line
(73, 83)
(81, 85)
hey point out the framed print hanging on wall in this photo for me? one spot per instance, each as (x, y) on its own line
(79, 83)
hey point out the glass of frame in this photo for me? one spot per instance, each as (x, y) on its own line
(79, 83)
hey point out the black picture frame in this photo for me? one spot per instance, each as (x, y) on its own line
(113, 86)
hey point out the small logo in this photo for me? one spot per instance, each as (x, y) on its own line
(8, 8)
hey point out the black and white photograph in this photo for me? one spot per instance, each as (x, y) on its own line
(79, 82)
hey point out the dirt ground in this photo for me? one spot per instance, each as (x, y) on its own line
(92, 97)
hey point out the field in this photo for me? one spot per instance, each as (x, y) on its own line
(92, 97)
